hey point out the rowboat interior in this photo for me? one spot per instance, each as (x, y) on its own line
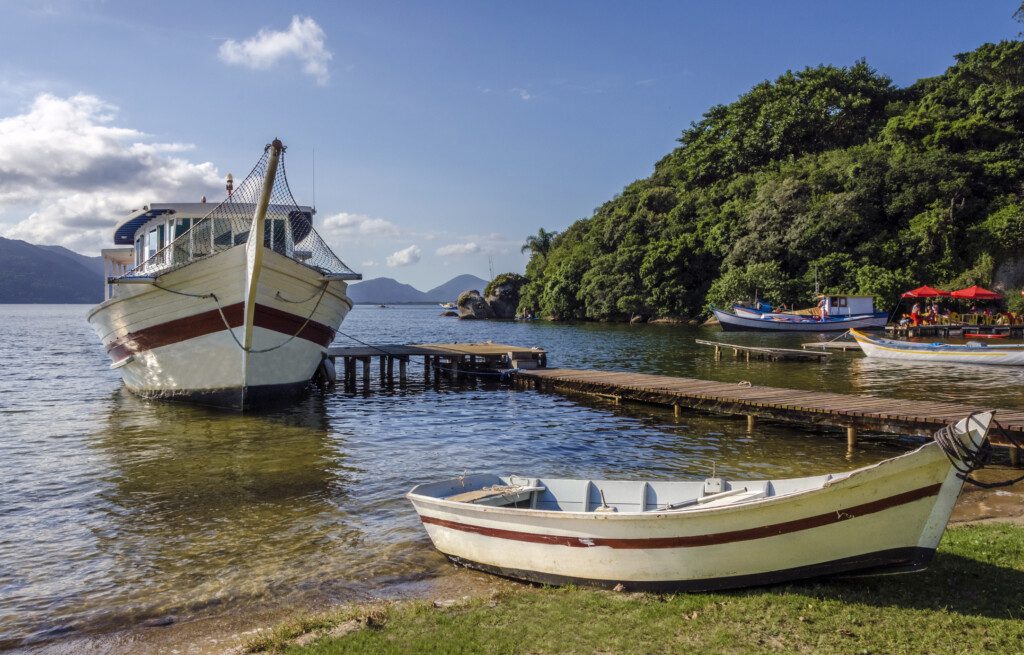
(619, 496)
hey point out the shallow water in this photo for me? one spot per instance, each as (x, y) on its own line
(116, 510)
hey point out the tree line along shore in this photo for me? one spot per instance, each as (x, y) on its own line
(828, 176)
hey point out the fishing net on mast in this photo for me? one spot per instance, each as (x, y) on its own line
(288, 229)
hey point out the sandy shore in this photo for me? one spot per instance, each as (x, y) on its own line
(226, 633)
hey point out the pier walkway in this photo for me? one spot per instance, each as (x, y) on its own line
(893, 415)
(450, 358)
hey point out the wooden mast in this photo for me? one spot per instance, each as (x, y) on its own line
(254, 245)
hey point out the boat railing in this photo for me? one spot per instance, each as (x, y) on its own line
(288, 230)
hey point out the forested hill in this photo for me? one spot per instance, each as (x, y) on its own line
(830, 169)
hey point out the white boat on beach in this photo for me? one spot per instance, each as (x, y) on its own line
(703, 535)
(972, 352)
(231, 306)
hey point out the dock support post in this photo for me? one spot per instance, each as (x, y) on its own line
(1015, 456)
(382, 371)
(746, 354)
(391, 370)
(366, 374)
(851, 438)
(751, 420)
(718, 353)
(403, 376)
(677, 410)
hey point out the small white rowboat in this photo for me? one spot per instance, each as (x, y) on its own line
(969, 353)
(703, 535)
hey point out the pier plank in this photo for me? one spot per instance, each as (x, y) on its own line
(893, 415)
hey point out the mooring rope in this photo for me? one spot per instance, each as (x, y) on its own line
(231, 331)
(969, 458)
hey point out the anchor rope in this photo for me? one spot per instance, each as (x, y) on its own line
(969, 458)
(231, 331)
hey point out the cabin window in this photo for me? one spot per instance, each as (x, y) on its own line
(222, 233)
(152, 243)
(274, 236)
(182, 227)
(838, 301)
(139, 251)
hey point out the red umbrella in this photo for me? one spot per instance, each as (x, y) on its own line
(925, 292)
(976, 293)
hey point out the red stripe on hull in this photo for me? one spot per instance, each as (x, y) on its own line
(209, 322)
(695, 541)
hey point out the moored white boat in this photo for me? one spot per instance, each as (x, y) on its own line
(702, 535)
(968, 353)
(231, 306)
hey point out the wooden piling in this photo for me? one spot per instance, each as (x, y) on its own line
(1015, 456)
(403, 363)
(851, 437)
(366, 373)
(751, 420)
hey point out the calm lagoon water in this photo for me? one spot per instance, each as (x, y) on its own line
(116, 510)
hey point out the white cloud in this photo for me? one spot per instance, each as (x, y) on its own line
(458, 249)
(66, 166)
(345, 223)
(523, 94)
(370, 262)
(303, 40)
(404, 257)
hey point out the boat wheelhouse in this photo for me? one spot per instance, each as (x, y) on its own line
(229, 305)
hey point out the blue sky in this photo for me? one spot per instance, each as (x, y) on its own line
(444, 132)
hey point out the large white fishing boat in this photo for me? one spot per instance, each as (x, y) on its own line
(231, 306)
(710, 534)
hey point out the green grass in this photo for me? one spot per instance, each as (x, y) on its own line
(970, 600)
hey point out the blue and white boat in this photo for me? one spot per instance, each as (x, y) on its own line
(841, 313)
(972, 352)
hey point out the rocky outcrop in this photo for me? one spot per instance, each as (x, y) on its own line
(499, 300)
(472, 305)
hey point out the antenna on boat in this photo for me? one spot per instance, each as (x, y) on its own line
(314, 179)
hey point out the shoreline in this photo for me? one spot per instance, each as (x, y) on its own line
(230, 631)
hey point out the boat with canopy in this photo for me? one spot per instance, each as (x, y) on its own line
(705, 534)
(231, 305)
(972, 352)
(840, 313)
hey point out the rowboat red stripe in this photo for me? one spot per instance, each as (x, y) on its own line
(209, 322)
(694, 541)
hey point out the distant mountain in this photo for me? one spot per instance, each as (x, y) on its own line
(37, 274)
(384, 290)
(451, 289)
(91, 263)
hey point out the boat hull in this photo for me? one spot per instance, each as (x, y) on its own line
(181, 337)
(778, 323)
(886, 517)
(1003, 355)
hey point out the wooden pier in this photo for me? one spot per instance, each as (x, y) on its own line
(453, 360)
(760, 352)
(830, 345)
(854, 413)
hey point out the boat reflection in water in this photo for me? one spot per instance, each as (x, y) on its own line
(202, 508)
